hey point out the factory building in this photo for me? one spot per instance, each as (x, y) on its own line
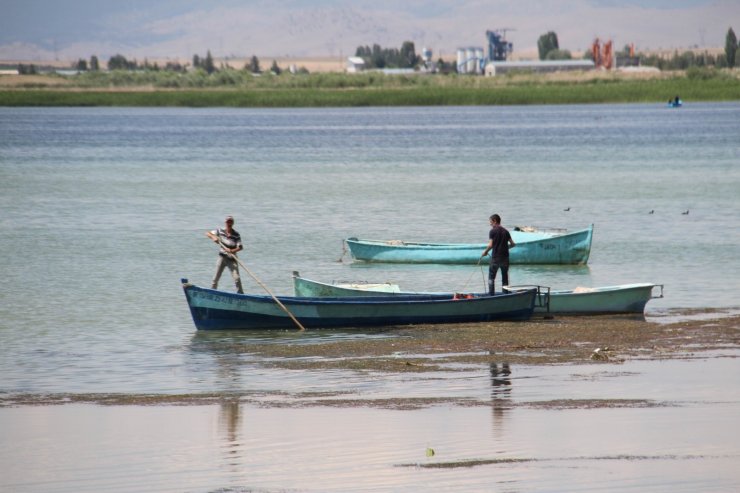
(496, 61)
(538, 66)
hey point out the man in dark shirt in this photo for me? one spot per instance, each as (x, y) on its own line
(231, 242)
(499, 242)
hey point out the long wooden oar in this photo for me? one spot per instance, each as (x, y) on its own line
(279, 303)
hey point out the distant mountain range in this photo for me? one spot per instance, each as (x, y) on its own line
(295, 28)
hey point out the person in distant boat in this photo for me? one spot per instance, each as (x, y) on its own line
(231, 243)
(499, 242)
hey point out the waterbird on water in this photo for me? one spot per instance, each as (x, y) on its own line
(686, 212)
(651, 211)
(566, 209)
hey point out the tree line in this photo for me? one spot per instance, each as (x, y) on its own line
(378, 57)
(205, 63)
(549, 49)
(405, 57)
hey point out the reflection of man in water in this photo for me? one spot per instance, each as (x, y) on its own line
(230, 419)
(500, 396)
(500, 381)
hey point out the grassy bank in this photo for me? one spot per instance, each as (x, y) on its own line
(377, 90)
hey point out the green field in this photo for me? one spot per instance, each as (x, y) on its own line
(345, 90)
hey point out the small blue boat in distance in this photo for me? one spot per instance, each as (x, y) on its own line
(675, 102)
(533, 246)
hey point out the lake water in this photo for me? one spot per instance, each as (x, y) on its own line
(103, 210)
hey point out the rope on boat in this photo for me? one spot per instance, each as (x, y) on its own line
(473, 273)
(344, 251)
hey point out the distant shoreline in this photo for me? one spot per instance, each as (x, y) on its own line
(347, 90)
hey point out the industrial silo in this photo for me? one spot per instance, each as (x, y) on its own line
(461, 67)
(470, 60)
(426, 54)
(479, 60)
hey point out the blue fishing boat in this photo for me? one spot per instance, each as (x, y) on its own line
(532, 247)
(624, 298)
(213, 310)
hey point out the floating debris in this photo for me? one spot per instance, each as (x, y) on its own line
(601, 354)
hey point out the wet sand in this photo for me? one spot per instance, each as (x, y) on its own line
(446, 348)
(558, 404)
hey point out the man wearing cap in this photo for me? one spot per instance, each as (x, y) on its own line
(231, 243)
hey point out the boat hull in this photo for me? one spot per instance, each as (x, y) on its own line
(625, 298)
(218, 310)
(531, 248)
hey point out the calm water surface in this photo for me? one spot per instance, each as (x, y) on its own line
(103, 210)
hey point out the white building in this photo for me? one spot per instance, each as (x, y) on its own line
(537, 66)
(355, 64)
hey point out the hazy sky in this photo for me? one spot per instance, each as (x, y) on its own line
(71, 29)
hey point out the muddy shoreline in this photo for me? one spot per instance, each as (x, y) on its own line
(605, 340)
(540, 341)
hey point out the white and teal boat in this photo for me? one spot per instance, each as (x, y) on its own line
(624, 298)
(533, 246)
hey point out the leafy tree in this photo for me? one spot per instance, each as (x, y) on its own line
(174, 67)
(196, 61)
(81, 65)
(253, 65)
(119, 62)
(408, 55)
(379, 57)
(730, 47)
(208, 64)
(546, 43)
(446, 67)
(94, 64)
(27, 69)
(558, 54)
(274, 68)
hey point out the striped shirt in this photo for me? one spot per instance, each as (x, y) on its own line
(232, 240)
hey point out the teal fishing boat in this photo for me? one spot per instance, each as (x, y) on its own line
(533, 246)
(624, 298)
(217, 310)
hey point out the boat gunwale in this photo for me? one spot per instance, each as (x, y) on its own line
(382, 299)
(570, 292)
(403, 244)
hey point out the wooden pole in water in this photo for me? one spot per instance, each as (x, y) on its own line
(279, 303)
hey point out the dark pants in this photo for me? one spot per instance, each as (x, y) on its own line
(492, 269)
